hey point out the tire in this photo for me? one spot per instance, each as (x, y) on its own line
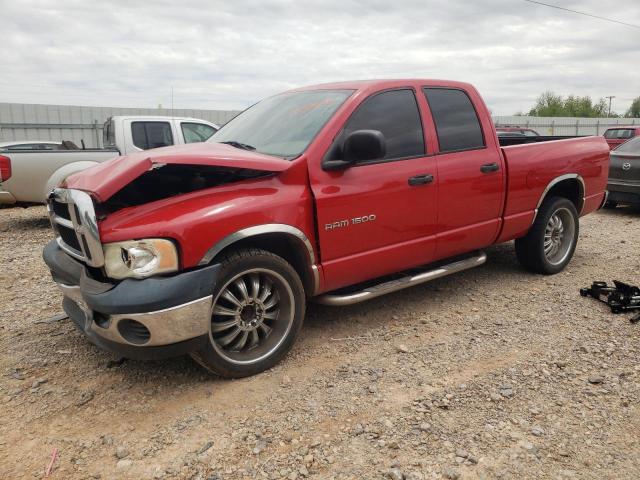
(610, 205)
(550, 243)
(252, 327)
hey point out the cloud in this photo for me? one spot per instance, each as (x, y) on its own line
(227, 55)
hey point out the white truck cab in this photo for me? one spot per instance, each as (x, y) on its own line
(136, 133)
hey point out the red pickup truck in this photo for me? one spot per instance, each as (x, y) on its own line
(337, 193)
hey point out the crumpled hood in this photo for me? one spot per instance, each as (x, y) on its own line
(104, 180)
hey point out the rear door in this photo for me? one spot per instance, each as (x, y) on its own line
(378, 217)
(470, 173)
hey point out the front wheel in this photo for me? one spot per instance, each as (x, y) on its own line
(552, 239)
(257, 311)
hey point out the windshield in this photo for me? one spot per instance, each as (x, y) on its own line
(632, 146)
(282, 125)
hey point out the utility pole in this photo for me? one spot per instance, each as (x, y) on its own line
(610, 97)
(172, 102)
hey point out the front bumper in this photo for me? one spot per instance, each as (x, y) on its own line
(141, 319)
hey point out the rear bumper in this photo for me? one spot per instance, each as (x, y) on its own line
(624, 192)
(6, 198)
(141, 319)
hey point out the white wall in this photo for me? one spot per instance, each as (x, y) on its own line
(565, 125)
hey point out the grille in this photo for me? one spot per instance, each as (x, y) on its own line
(60, 209)
(69, 237)
(73, 219)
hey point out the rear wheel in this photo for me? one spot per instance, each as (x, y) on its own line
(552, 239)
(257, 311)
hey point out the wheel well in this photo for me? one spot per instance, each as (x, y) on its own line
(570, 189)
(286, 246)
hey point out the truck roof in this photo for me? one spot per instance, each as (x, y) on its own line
(163, 117)
(380, 84)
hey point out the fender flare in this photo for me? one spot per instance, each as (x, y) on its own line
(556, 181)
(256, 230)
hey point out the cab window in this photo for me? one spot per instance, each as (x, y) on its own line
(196, 132)
(394, 113)
(455, 118)
(148, 135)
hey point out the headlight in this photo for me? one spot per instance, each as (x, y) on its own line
(140, 258)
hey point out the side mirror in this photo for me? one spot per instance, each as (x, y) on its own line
(359, 146)
(364, 145)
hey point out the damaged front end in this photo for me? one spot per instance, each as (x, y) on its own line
(134, 291)
(164, 181)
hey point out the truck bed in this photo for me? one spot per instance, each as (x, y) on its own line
(534, 166)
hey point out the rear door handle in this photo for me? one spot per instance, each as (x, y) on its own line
(489, 167)
(420, 180)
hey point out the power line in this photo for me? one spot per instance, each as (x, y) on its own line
(585, 14)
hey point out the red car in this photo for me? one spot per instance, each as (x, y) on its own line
(334, 193)
(616, 136)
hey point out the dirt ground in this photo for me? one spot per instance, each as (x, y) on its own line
(491, 373)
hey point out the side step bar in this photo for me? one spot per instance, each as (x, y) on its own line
(374, 291)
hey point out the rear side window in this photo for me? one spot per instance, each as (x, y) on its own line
(148, 135)
(394, 113)
(196, 132)
(456, 121)
(619, 133)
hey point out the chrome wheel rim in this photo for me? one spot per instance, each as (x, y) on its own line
(251, 316)
(559, 236)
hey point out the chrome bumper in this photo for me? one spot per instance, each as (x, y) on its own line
(166, 327)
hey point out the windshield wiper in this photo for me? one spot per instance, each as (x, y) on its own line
(243, 146)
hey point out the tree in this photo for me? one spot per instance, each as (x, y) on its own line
(634, 109)
(550, 104)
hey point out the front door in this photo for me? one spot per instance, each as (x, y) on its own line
(378, 217)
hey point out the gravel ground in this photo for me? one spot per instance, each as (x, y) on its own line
(492, 373)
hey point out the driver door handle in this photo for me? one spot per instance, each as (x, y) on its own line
(489, 167)
(420, 180)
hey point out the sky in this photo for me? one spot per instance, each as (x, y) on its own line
(227, 55)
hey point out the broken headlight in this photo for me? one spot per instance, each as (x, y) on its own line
(140, 258)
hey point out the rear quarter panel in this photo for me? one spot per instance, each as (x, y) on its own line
(532, 167)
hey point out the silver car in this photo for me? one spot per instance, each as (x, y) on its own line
(624, 174)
